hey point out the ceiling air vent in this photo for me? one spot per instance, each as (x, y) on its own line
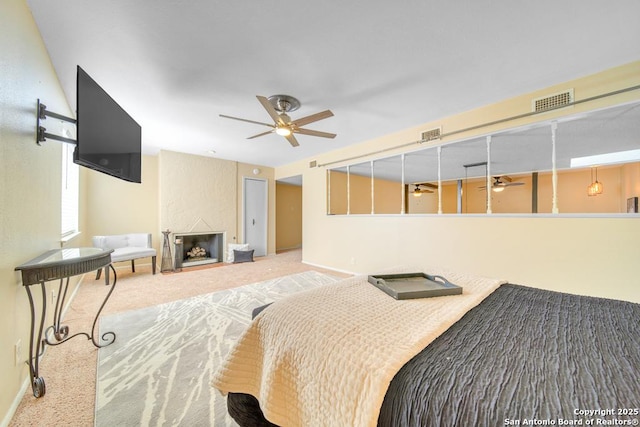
(313, 164)
(552, 102)
(430, 135)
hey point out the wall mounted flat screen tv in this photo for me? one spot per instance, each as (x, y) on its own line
(108, 139)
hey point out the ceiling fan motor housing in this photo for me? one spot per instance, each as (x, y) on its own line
(284, 103)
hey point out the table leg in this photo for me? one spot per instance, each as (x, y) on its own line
(59, 332)
(36, 344)
(109, 337)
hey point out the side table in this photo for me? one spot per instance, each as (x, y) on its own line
(52, 265)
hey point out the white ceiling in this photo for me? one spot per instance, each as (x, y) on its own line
(380, 66)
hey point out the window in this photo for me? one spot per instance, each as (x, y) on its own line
(70, 184)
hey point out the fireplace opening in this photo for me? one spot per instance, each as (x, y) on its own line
(198, 248)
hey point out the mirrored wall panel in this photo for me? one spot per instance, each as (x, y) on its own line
(388, 191)
(337, 182)
(421, 181)
(588, 163)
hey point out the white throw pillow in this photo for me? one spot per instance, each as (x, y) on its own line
(237, 247)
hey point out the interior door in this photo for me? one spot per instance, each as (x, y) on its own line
(255, 209)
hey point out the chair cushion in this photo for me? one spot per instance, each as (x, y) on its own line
(117, 241)
(128, 253)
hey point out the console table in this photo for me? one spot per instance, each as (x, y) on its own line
(52, 265)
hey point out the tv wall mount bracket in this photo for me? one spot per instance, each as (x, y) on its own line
(41, 131)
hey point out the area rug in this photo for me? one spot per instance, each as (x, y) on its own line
(158, 371)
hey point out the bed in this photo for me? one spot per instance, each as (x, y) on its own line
(513, 355)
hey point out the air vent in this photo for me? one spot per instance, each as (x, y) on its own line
(430, 135)
(552, 102)
(313, 164)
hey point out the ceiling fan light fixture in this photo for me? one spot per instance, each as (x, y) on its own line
(417, 194)
(283, 131)
(498, 189)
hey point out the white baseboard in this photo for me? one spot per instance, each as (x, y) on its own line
(330, 268)
(16, 402)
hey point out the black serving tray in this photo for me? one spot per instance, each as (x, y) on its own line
(414, 285)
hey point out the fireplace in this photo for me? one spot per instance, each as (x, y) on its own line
(198, 248)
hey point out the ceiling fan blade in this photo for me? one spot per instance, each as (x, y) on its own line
(292, 140)
(510, 184)
(261, 134)
(272, 111)
(428, 184)
(312, 118)
(314, 133)
(246, 120)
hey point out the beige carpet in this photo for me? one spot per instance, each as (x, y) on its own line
(69, 369)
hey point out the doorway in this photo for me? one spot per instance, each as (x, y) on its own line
(289, 213)
(255, 208)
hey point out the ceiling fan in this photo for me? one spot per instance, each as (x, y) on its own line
(418, 190)
(278, 106)
(501, 182)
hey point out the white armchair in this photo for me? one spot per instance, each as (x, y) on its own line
(126, 247)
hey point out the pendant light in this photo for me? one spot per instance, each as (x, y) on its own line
(596, 186)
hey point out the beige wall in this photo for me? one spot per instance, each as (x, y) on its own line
(199, 193)
(179, 192)
(113, 206)
(589, 255)
(30, 183)
(288, 216)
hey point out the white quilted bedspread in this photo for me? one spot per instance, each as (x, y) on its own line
(325, 357)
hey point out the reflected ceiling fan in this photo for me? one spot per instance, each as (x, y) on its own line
(501, 182)
(278, 106)
(419, 190)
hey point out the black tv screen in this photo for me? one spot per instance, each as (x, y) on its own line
(108, 139)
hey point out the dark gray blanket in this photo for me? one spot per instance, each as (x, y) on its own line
(522, 356)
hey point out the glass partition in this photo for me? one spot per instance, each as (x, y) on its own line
(360, 188)
(521, 171)
(337, 191)
(421, 181)
(464, 176)
(388, 192)
(601, 148)
(588, 163)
